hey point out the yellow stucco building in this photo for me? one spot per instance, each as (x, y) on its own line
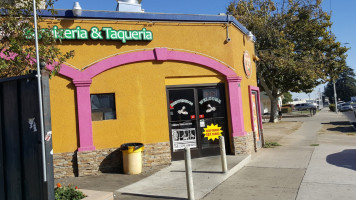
(167, 81)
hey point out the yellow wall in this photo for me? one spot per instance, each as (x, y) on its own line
(140, 88)
(63, 114)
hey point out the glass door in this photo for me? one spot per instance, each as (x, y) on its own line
(182, 122)
(212, 119)
(197, 117)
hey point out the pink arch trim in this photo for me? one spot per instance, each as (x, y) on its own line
(82, 82)
(159, 54)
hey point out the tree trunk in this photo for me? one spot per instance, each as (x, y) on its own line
(273, 97)
(274, 110)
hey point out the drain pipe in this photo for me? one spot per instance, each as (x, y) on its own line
(228, 39)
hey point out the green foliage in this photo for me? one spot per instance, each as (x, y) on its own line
(68, 193)
(296, 48)
(16, 22)
(332, 107)
(286, 109)
(271, 144)
(287, 97)
(345, 86)
(314, 145)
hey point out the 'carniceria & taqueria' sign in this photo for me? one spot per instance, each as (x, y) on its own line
(106, 33)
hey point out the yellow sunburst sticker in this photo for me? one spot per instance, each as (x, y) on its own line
(212, 132)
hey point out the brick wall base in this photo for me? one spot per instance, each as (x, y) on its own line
(99, 161)
(90, 163)
(65, 165)
(244, 144)
(156, 154)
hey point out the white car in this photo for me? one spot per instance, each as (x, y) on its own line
(345, 107)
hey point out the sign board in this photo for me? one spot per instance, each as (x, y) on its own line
(105, 33)
(353, 99)
(212, 132)
(247, 64)
(185, 137)
(254, 114)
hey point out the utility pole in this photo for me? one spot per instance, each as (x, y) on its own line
(335, 97)
(40, 101)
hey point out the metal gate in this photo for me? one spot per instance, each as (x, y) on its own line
(21, 166)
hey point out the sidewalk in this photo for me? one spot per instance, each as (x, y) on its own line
(163, 183)
(169, 182)
(295, 170)
(331, 173)
(298, 169)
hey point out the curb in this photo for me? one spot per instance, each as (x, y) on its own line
(97, 195)
(239, 166)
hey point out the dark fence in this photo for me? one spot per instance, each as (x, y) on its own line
(21, 165)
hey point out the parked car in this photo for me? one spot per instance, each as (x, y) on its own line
(315, 105)
(353, 106)
(304, 106)
(339, 104)
(345, 107)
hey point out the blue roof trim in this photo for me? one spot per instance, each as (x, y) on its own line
(88, 14)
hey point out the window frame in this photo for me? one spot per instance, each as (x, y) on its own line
(96, 117)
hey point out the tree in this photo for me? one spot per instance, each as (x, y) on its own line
(296, 49)
(17, 52)
(345, 86)
(287, 97)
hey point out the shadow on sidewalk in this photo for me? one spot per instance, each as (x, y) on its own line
(340, 126)
(345, 159)
(338, 123)
(143, 196)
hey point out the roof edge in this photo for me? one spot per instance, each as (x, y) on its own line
(90, 14)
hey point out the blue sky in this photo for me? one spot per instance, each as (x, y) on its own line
(158, 6)
(343, 17)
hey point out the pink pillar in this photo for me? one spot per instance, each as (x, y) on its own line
(237, 118)
(84, 115)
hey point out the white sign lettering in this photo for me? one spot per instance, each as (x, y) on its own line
(209, 99)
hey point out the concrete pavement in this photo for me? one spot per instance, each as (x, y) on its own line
(170, 182)
(298, 169)
(331, 173)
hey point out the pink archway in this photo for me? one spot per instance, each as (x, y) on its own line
(83, 79)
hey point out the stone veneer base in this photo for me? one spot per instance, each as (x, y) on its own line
(156, 154)
(65, 165)
(88, 163)
(95, 162)
(244, 144)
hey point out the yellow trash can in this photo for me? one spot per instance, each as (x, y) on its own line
(132, 157)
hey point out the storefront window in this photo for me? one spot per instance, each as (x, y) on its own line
(102, 107)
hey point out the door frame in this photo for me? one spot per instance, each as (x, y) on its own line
(198, 153)
(259, 120)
